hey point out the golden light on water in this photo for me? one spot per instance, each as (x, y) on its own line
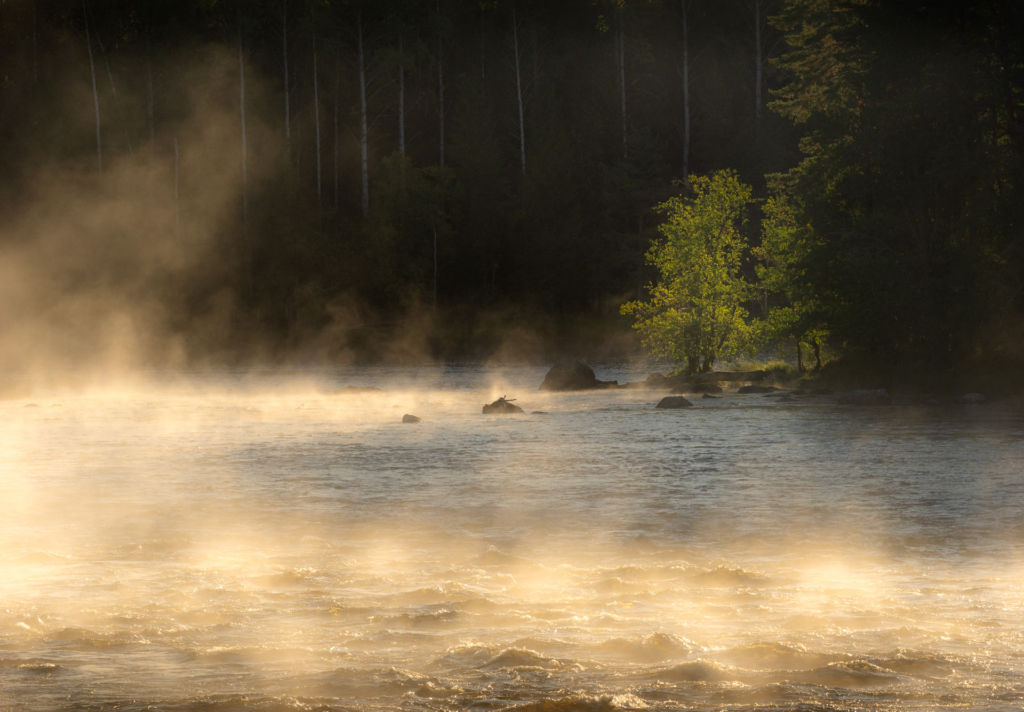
(226, 538)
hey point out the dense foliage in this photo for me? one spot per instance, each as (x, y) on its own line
(470, 154)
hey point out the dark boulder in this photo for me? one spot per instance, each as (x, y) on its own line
(571, 374)
(674, 402)
(757, 389)
(539, 412)
(502, 406)
(411, 419)
(707, 396)
(866, 398)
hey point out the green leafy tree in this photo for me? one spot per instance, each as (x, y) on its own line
(794, 311)
(696, 314)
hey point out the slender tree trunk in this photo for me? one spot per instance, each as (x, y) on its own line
(316, 109)
(245, 160)
(519, 91)
(401, 99)
(440, 84)
(177, 197)
(35, 45)
(113, 91)
(817, 356)
(800, 357)
(622, 81)
(149, 104)
(686, 91)
(95, 92)
(337, 100)
(362, 120)
(287, 79)
(758, 64)
(435, 267)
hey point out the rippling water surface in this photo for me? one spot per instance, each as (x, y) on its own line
(252, 542)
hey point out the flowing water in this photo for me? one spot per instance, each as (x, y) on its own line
(231, 542)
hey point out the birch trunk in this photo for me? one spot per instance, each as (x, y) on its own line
(287, 80)
(622, 82)
(316, 109)
(35, 46)
(758, 63)
(519, 91)
(149, 105)
(113, 91)
(401, 99)
(95, 92)
(362, 120)
(440, 83)
(337, 99)
(686, 92)
(245, 159)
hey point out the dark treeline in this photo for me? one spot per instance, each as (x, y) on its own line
(485, 154)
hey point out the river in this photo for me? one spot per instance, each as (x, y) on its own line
(228, 541)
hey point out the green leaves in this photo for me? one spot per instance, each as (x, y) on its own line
(696, 314)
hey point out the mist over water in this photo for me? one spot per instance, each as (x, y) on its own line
(251, 541)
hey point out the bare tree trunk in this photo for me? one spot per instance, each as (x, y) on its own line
(758, 64)
(113, 91)
(401, 99)
(362, 120)
(622, 81)
(337, 99)
(686, 91)
(287, 79)
(149, 105)
(316, 109)
(435, 267)
(519, 91)
(95, 92)
(245, 159)
(35, 46)
(800, 357)
(177, 197)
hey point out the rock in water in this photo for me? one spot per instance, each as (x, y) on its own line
(411, 419)
(673, 402)
(757, 389)
(502, 406)
(571, 374)
(708, 396)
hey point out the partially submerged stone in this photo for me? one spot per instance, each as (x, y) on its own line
(571, 374)
(673, 403)
(757, 389)
(411, 419)
(502, 406)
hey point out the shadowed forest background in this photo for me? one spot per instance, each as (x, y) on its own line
(466, 172)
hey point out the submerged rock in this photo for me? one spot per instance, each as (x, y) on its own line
(758, 389)
(539, 412)
(411, 419)
(674, 402)
(502, 406)
(866, 398)
(708, 396)
(571, 374)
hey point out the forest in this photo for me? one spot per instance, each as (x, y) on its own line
(315, 169)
